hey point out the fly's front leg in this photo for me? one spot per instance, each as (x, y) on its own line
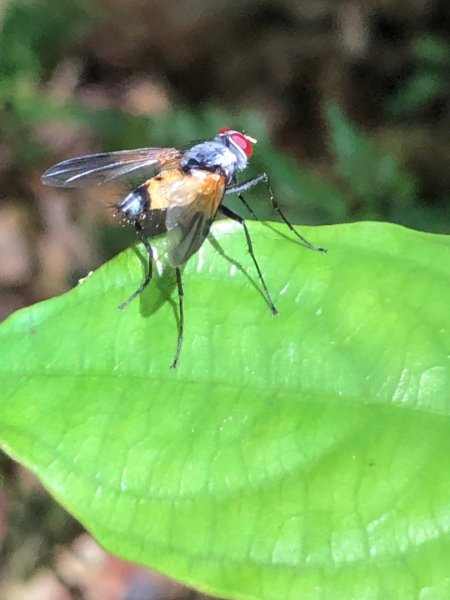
(149, 274)
(278, 210)
(243, 187)
(239, 188)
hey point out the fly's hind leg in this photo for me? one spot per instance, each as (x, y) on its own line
(149, 274)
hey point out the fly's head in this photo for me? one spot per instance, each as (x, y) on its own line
(240, 144)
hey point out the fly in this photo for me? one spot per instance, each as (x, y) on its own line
(184, 190)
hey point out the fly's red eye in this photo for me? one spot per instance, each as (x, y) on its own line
(224, 129)
(243, 142)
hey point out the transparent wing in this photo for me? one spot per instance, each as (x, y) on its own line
(95, 169)
(191, 213)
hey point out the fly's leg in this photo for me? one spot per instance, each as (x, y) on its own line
(238, 189)
(247, 206)
(243, 187)
(181, 329)
(149, 274)
(288, 223)
(230, 214)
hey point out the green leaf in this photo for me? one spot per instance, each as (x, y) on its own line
(300, 456)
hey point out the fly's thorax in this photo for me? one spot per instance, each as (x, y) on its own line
(134, 206)
(212, 156)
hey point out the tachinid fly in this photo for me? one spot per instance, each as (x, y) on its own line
(183, 189)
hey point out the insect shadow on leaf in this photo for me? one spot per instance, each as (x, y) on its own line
(154, 296)
(216, 245)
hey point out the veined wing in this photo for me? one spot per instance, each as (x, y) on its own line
(95, 169)
(191, 213)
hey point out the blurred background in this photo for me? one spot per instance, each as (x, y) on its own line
(349, 100)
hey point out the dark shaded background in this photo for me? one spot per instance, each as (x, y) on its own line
(350, 102)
